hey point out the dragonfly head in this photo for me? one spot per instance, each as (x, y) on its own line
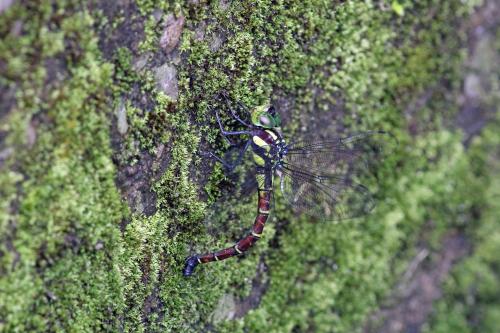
(266, 116)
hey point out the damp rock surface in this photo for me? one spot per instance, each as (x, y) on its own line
(166, 79)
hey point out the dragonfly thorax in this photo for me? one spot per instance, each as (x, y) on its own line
(267, 146)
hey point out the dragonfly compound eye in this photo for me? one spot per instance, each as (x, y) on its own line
(265, 116)
(264, 120)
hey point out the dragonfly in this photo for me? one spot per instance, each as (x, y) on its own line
(318, 178)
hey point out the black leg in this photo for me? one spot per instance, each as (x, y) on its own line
(235, 116)
(230, 166)
(222, 129)
(226, 133)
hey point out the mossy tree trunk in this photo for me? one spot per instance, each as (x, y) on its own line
(105, 106)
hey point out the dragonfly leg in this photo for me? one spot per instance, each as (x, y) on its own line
(226, 133)
(242, 245)
(230, 166)
(233, 113)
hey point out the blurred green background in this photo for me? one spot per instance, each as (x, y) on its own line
(105, 105)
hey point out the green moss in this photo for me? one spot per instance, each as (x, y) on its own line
(475, 280)
(61, 271)
(471, 293)
(80, 261)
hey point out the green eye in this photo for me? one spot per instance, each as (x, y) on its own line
(264, 116)
(264, 120)
(277, 120)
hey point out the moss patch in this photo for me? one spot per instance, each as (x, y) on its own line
(75, 257)
(475, 280)
(59, 266)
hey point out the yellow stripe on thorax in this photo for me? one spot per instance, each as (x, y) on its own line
(258, 160)
(259, 142)
(262, 144)
(271, 133)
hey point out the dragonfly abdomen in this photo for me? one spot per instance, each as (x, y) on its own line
(264, 203)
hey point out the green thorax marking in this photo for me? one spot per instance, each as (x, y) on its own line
(264, 140)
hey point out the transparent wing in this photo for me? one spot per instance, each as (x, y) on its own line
(336, 154)
(326, 197)
(319, 178)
